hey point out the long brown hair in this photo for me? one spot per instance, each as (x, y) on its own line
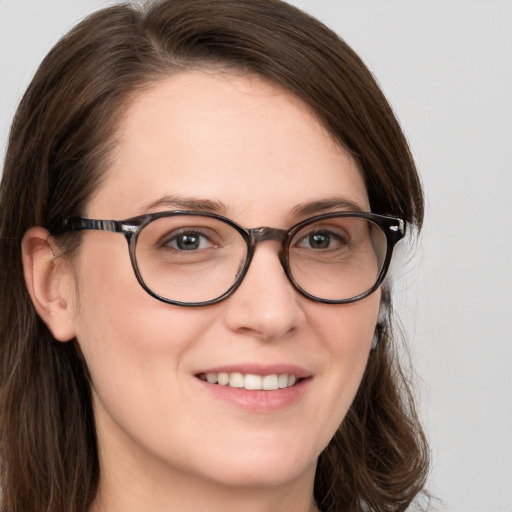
(60, 142)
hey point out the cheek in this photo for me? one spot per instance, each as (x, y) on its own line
(347, 330)
(113, 308)
(133, 344)
(347, 335)
(122, 330)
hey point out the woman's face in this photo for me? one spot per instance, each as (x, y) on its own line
(257, 154)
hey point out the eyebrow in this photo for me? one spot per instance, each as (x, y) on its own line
(174, 202)
(188, 203)
(326, 205)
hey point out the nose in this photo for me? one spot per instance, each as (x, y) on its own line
(266, 305)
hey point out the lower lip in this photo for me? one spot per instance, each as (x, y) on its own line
(255, 400)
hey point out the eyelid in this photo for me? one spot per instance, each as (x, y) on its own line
(186, 230)
(326, 211)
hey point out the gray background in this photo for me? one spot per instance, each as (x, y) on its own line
(446, 67)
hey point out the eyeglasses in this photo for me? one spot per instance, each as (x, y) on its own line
(192, 258)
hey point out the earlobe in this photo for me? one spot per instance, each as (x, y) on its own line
(49, 282)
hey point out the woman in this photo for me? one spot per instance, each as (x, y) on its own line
(236, 353)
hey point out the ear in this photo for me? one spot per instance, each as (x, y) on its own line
(50, 282)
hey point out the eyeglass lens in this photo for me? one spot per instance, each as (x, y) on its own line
(196, 259)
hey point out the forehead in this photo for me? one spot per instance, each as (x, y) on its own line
(238, 140)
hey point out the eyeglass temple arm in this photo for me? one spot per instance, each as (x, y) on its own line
(79, 223)
(397, 231)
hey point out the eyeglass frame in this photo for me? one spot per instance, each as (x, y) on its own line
(393, 228)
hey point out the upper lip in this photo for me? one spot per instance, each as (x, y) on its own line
(259, 369)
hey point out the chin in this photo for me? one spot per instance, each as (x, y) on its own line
(245, 475)
(260, 467)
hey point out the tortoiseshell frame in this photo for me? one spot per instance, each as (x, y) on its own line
(392, 227)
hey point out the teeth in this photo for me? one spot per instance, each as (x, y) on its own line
(236, 380)
(211, 378)
(250, 381)
(282, 381)
(270, 382)
(223, 379)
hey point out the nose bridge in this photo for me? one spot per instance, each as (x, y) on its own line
(264, 233)
(265, 303)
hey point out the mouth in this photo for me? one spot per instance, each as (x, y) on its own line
(257, 388)
(250, 381)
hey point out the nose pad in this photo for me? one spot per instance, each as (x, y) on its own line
(266, 305)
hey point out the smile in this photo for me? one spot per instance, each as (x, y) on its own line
(251, 381)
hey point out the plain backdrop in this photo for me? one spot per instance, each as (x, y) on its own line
(446, 67)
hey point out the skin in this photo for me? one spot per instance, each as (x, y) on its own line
(165, 443)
